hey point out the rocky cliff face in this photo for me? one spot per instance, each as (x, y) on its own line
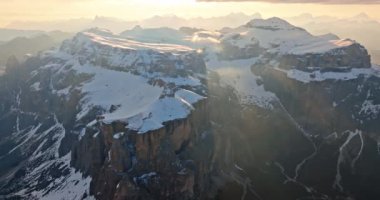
(37, 135)
(354, 56)
(338, 117)
(169, 163)
(303, 139)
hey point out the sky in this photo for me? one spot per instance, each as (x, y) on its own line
(51, 10)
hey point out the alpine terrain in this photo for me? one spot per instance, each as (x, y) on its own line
(262, 111)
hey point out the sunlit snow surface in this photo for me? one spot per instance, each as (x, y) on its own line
(142, 105)
(278, 36)
(123, 43)
(130, 93)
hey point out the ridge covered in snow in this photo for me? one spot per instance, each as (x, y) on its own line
(159, 91)
(278, 36)
(317, 76)
(106, 38)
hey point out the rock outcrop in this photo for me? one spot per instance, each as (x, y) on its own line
(169, 163)
(291, 47)
(353, 56)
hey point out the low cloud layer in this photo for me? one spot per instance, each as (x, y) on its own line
(302, 1)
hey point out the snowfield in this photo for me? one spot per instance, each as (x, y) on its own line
(130, 93)
(278, 36)
(122, 95)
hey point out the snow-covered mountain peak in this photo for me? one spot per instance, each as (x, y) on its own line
(142, 78)
(275, 35)
(273, 23)
(93, 81)
(107, 39)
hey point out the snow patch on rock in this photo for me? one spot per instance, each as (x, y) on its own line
(317, 76)
(238, 74)
(370, 109)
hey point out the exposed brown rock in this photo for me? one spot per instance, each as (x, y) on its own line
(160, 164)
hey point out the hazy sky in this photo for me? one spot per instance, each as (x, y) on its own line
(49, 10)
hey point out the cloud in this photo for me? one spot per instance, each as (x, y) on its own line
(302, 1)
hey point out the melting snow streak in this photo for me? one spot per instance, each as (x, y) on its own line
(343, 152)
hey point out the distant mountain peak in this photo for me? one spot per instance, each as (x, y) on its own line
(274, 23)
(137, 28)
(99, 31)
(242, 14)
(361, 15)
(329, 36)
(277, 36)
(306, 15)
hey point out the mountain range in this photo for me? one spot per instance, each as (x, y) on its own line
(118, 25)
(318, 25)
(344, 27)
(261, 110)
(22, 47)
